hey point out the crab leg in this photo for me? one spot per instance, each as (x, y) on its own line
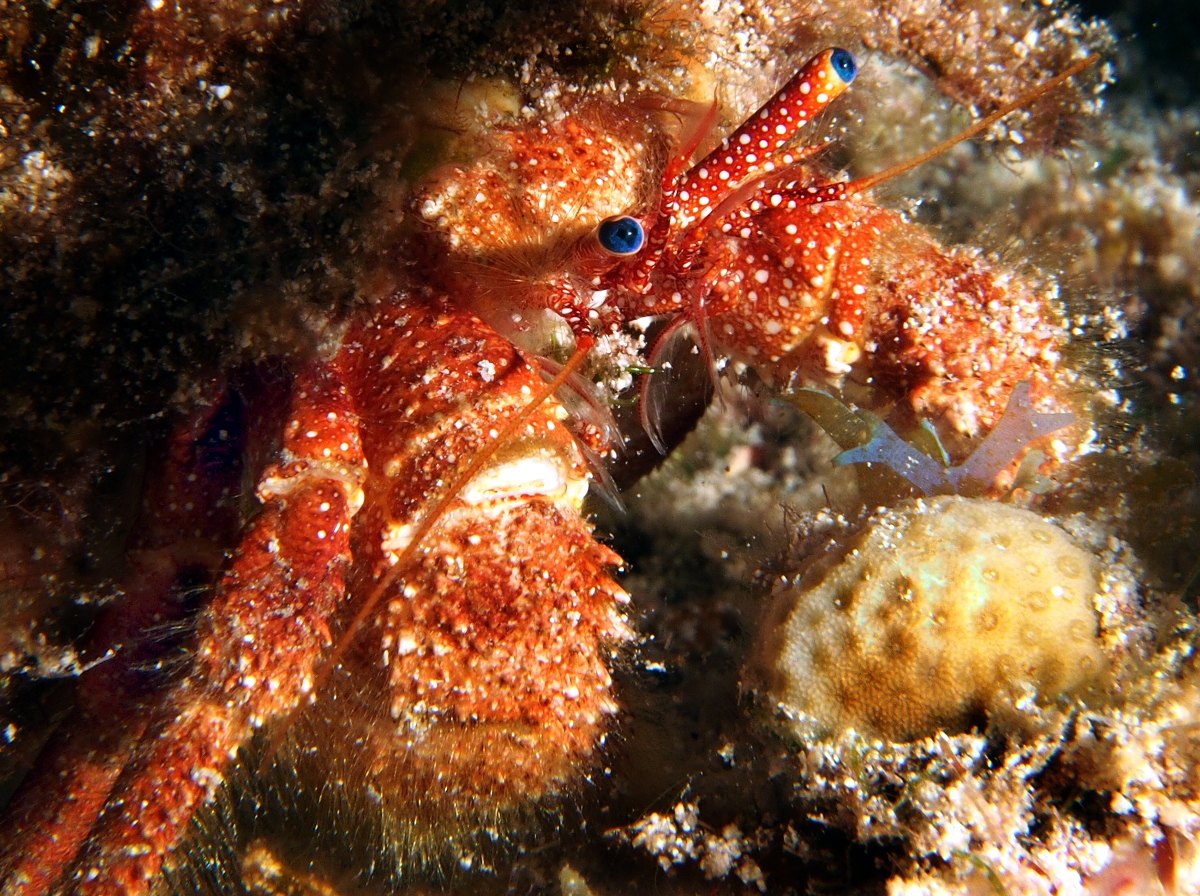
(445, 572)
(181, 527)
(259, 642)
(494, 625)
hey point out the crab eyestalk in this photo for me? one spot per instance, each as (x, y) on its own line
(715, 181)
(751, 149)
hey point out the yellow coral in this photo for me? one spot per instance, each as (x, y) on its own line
(932, 613)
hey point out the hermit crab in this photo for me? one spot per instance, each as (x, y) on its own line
(419, 608)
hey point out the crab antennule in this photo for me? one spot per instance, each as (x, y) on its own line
(751, 148)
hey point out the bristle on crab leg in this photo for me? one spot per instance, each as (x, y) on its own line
(81, 763)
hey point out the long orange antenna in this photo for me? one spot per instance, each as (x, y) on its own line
(866, 183)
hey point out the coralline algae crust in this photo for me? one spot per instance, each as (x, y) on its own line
(933, 613)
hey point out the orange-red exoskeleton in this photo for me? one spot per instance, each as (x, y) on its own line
(768, 260)
(420, 586)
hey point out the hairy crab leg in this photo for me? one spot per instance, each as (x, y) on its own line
(495, 634)
(266, 640)
(438, 508)
(180, 528)
(256, 654)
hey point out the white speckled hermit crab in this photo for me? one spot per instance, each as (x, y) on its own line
(420, 583)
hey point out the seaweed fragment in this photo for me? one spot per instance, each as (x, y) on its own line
(866, 439)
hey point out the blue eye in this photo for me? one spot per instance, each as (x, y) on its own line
(621, 236)
(844, 65)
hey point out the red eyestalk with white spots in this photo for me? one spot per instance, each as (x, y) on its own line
(691, 197)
